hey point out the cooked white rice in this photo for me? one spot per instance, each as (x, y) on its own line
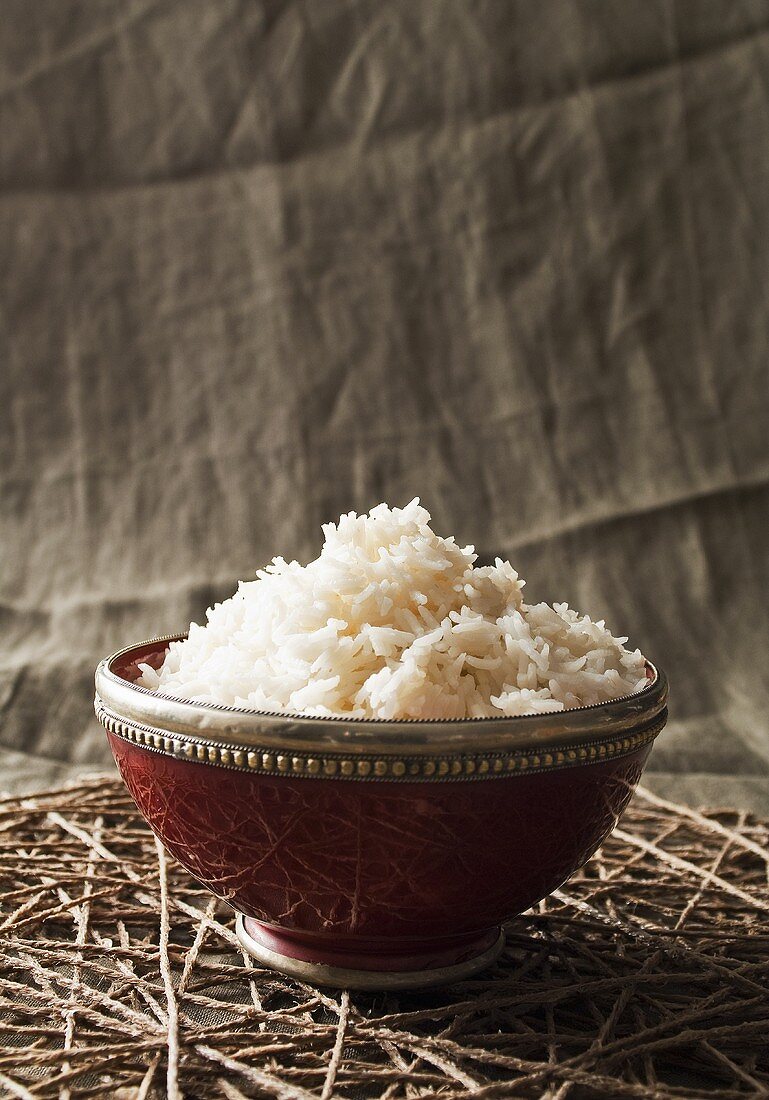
(392, 621)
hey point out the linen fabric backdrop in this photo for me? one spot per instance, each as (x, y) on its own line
(262, 263)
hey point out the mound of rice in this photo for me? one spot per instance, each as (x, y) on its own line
(393, 621)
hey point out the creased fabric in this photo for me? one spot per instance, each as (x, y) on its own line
(261, 263)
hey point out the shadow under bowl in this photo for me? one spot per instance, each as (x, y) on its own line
(373, 854)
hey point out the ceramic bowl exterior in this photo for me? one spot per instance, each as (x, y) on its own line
(389, 847)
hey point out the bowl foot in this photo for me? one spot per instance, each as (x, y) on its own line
(267, 946)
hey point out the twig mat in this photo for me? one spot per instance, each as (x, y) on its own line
(645, 976)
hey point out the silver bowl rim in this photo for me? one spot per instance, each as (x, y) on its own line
(219, 724)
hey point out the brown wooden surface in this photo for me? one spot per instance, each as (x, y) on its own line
(645, 976)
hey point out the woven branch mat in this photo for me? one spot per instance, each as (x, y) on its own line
(645, 976)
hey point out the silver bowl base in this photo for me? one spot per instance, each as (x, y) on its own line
(336, 977)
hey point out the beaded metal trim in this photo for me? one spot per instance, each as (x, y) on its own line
(392, 768)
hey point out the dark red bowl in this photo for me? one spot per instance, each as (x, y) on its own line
(374, 854)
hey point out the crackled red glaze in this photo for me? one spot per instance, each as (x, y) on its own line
(366, 869)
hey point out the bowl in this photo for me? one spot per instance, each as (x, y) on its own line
(370, 854)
